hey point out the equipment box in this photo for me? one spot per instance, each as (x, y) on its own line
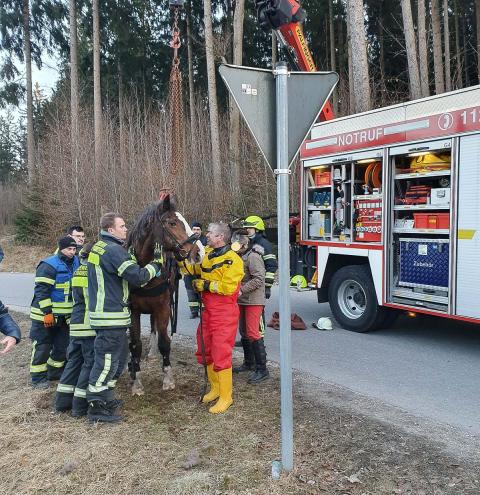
(322, 178)
(424, 263)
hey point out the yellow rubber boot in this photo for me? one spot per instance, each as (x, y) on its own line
(225, 383)
(214, 387)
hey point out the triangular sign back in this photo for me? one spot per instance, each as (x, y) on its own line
(254, 93)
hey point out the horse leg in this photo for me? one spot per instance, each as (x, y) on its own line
(136, 354)
(153, 352)
(162, 319)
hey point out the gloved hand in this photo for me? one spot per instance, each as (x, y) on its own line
(157, 261)
(158, 255)
(49, 320)
(200, 285)
(268, 292)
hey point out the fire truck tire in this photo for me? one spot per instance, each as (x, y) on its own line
(353, 299)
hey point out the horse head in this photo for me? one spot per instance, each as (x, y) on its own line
(172, 231)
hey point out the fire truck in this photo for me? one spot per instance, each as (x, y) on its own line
(390, 199)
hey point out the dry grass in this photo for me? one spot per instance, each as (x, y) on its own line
(170, 445)
(21, 258)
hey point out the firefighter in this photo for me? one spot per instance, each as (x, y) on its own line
(256, 231)
(193, 297)
(71, 391)
(251, 302)
(220, 274)
(111, 270)
(50, 312)
(7, 325)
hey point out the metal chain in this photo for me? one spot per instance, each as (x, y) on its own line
(176, 107)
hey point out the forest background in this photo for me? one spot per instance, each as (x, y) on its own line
(117, 128)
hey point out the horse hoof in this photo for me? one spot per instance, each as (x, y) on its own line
(137, 388)
(168, 386)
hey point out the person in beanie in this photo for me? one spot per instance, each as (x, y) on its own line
(112, 270)
(193, 297)
(251, 302)
(50, 312)
(7, 325)
(72, 388)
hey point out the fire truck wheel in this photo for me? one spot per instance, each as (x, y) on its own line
(353, 300)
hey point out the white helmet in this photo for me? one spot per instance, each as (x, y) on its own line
(324, 323)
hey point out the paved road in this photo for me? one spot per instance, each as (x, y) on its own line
(429, 367)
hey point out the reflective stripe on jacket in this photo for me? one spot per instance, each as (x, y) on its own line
(80, 322)
(53, 291)
(111, 268)
(269, 258)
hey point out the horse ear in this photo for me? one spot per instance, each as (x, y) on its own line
(165, 202)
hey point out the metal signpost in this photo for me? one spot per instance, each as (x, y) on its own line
(280, 108)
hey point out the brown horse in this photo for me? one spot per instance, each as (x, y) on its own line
(158, 226)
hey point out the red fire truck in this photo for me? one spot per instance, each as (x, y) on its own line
(391, 200)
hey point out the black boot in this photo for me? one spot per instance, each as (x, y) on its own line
(114, 404)
(99, 412)
(248, 360)
(261, 373)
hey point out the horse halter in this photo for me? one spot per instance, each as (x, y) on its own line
(180, 253)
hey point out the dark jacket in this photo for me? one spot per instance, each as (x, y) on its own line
(79, 321)
(270, 260)
(7, 326)
(53, 290)
(111, 268)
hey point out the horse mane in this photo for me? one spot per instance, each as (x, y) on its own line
(144, 223)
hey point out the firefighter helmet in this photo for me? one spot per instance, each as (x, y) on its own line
(253, 222)
(298, 281)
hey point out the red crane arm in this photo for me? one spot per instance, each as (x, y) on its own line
(285, 18)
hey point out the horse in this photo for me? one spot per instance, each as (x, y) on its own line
(159, 226)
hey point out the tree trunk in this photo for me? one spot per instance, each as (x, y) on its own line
(437, 48)
(458, 52)
(212, 99)
(351, 89)
(74, 105)
(274, 50)
(234, 141)
(333, 57)
(97, 96)
(411, 48)
(381, 55)
(361, 79)
(422, 49)
(446, 36)
(191, 86)
(465, 53)
(31, 165)
(477, 14)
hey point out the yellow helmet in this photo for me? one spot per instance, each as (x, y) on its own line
(253, 222)
(298, 281)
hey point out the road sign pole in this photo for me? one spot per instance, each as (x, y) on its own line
(282, 172)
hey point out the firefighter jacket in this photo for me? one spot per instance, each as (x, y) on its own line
(53, 290)
(252, 290)
(270, 260)
(79, 321)
(111, 268)
(222, 267)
